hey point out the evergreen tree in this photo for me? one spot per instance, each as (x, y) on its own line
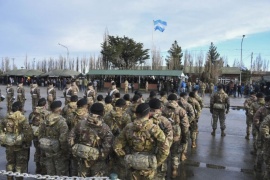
(174, 60)
(213, 55)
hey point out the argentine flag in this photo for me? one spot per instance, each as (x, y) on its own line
(160, 25)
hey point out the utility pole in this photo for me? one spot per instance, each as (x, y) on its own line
(251, 59)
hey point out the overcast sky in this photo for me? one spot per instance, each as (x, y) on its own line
(36, 27)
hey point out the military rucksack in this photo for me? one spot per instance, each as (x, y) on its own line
(174, 118)
(36, 119)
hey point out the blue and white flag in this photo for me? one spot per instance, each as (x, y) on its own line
(160, 25)
(243, 68)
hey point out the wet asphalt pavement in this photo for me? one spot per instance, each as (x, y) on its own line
(215, 158)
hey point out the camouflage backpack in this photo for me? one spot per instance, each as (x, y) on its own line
(174, 118)
(35, 119)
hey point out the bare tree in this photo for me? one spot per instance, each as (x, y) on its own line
(77, 64)
(199, 63)
(7, 64)
(236, 63)
(156, 59)
(3, 65)
(225, 61)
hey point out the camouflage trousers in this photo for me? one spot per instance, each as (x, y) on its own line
(92, 168)
(249, 122)
(126, 89)
(9, 104)
(73, 166)
(259, 149)
(57, 164)
(176, 150)
(219, 115)
(184, 139)
(193, 130)
(143, 175)
(39, 158)
(34, 103)
(21, 100)
(118, 166)
(266, 158)
(162, 171)
(49, 105)
(203, 92)
(17, 159)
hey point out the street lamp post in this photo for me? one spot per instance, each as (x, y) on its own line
(66, 48)
(241, 61)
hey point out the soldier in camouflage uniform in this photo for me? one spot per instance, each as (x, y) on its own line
(163, 98)
(249, 118)
(51, 95)
(198, 98)
(35, 94)
(117, 119)
(265, 133)
(10, 97)
(16, 137)
(254, 107)
(69, 109)
(74, 87)
(80, 114)
(90, 94)
(203, 87)
(108, 104)
(53, 133)
(140, 143)
(100, 99)
(166, 126)
(259, 116)
(67, 92)
(91, 141)
(131, 110)
(219, 107)
(197, 110)
(180, 124)
(35, 119)
(126, 86)
(21, 95)
(191, 117)
(115, 98)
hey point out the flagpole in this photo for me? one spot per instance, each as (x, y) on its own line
(152, 45)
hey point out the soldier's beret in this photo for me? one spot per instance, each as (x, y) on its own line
(143, 109)
(42, 102)
(100, 97)
(155, 103)
(74, 98)
(267, 98)
(183, 94)
(90, 84)
(135, 98)
(117, 95)
(97, 108)
(120, 103)
(108, 99)
(55, 105)
(152, 94)
(172, 97)
(16, 105)
(192, 94)
(82, 102)
(68, 82)
(259, 95)
(126, 97)
(162, 93)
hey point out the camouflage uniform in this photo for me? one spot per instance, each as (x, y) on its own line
(101, 102)
(166, 126)
(68, 113)
(192, 121)
(90, 94)
(131, 110)
(219, 106)
(16, 126)
(67, 93)
(108, 108)
(113, 91)
(35, 94)
(35, 119)
(199, 99)
(249, 117)
(254, 107)
(21, 96)
(265, 131)
(197, 110)
(74, 88)
(257, 120)
(211, 88)
(180, 124)
(51, 95)
(97, 135)
(142, 137)
(55, 129)
(203, 87)
(114, 101)
(80, 114)
(163, 101)
(10, 95)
